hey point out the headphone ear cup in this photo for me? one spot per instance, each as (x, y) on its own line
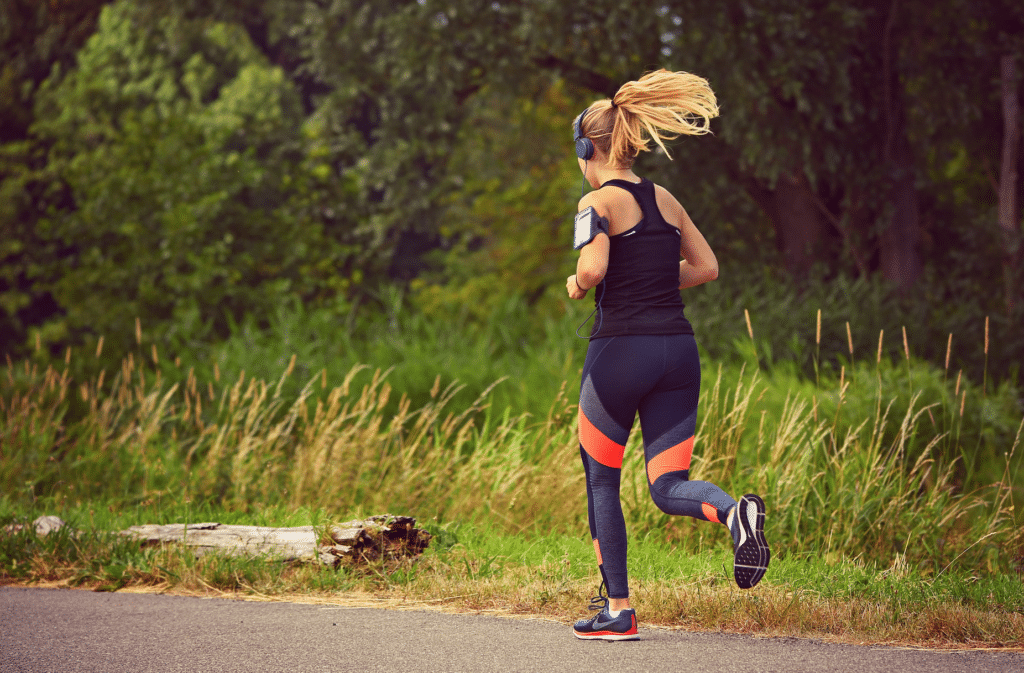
(584, 145)
(585, 148)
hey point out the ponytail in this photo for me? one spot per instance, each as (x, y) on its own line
(660, 106)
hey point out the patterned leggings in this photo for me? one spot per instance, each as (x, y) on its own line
(657, 376)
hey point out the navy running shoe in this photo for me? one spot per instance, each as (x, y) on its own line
(603, 626)
(750, 548)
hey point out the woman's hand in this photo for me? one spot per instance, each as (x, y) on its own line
(573, 288)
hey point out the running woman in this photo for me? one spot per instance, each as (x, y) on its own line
(642, 358)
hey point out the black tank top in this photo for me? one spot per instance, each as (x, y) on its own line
(640, 290)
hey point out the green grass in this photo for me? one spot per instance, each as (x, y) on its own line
(862, 466)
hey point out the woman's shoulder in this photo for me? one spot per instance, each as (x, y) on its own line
(604, 198)
(669, 205)
(595, 199)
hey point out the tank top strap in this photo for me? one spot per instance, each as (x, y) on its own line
(643, 193)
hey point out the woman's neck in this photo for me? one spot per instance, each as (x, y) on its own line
(602, 173)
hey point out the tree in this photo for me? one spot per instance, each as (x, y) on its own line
(397, 82)
(185, 184)
(33, 37)
(507, 225)
(842, 145)
(811, 127)
(1009, 209)
(961, 60)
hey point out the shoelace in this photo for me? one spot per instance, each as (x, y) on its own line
(600, 601)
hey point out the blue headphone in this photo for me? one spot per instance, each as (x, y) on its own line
(584, 146)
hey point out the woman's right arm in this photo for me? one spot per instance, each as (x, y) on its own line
(698, 264)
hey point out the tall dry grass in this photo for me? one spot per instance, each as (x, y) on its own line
(879, 485)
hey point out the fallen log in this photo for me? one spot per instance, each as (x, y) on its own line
(383, 536)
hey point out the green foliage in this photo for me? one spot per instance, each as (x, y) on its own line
(202, 164)
(23, 251)
(507, 221)
(396, 80)
(529, 354)
(34, 36)
(858, 313)
(178, 145)
(792, 77)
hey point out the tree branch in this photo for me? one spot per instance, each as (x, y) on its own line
(585, 77)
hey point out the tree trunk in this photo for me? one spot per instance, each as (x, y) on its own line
(1009, 213)
(793, 209)
(798, 224)
(900, 258)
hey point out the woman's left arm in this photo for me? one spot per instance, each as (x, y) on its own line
(593, 261)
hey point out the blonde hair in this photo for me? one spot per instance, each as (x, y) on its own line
(660, 106)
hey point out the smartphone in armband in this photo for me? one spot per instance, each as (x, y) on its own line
(588, 225)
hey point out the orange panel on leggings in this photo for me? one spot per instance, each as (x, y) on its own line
(710, 512)
(672, 459)
(605, 451)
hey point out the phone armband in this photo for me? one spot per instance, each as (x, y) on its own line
(588, 225)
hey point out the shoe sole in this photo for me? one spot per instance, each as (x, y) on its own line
(631, 634)
(606, 636)
(752, 553)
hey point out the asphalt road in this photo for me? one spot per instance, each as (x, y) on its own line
(69, 631)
